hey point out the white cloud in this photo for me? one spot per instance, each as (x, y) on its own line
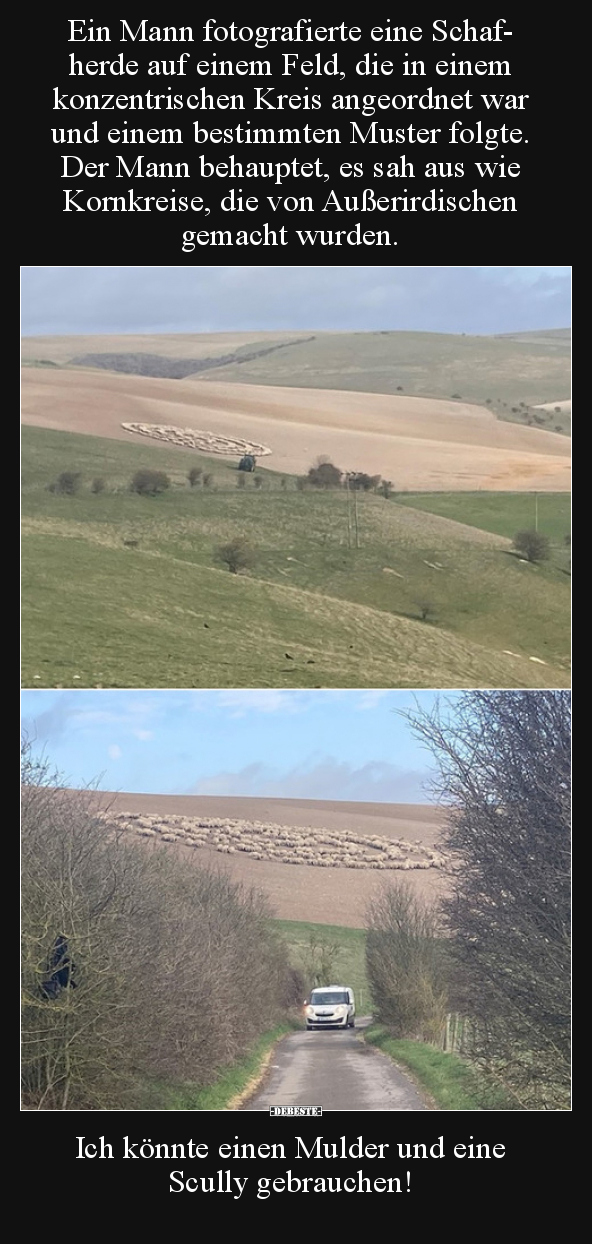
(375, 781)
(114, 751)
(369, 699)
(264, 701)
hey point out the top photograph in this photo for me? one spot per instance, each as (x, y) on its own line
(323, 477)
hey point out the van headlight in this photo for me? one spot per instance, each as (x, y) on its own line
(310, 1010)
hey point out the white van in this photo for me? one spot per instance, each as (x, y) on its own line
(330, 1006)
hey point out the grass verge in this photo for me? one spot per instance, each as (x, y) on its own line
(452, 1083)
(232, 1085)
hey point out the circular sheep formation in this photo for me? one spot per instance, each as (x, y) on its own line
(191, 438)
(284, 844)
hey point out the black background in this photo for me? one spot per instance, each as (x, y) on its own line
(540, 68)
(519, 1189)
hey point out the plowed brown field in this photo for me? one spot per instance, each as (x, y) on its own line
(301, 891)
(420, 443)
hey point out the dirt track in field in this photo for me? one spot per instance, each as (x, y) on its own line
(300, 891)
(419, 443)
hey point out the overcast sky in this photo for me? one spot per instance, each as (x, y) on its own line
(220, 299)
(350, 745)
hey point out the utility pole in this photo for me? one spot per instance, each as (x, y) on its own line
(536, 511)
(356, 517)
(349, 543)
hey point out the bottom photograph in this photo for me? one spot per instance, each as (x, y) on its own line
(296, 901)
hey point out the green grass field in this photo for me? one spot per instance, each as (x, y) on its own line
(504, 513)
(503, 370)
(125, 590)
(348, 961)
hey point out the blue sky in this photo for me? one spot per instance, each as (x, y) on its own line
(351, 745)
(217, 299)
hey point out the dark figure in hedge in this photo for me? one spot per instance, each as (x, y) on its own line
(60, 969)
(247, 463)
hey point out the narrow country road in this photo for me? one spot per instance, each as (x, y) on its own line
(335, 1070)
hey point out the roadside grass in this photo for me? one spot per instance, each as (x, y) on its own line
(452, 1083)
(504, 513)
(349, 961)
(225, 1093)
(125, 590)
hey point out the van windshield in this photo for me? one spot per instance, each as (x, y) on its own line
(318, 998)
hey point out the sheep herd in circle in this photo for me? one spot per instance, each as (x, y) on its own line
(191, 438)
(285, 844)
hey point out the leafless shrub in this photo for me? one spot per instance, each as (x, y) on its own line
(319, 961)
(403, 963)
(164, 956)
(238, 554)
(67, 483)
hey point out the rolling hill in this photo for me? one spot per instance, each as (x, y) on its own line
(125, 590)
(506, 371)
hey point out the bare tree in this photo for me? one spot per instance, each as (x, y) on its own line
(534, 546)
(319, 960)
(504, 765)
(404, 963)
(238, 554)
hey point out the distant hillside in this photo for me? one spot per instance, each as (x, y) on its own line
(509, 373)
(63, 349)
(540, 336)
(499, 372)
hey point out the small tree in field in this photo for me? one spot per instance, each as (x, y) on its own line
(194, 476)
(426, 609)
(324, 474)
(361, 482)
(319, 960)
(68, 483)
(149, 483)
(98, 485)
(532, 545)
(238, 554)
